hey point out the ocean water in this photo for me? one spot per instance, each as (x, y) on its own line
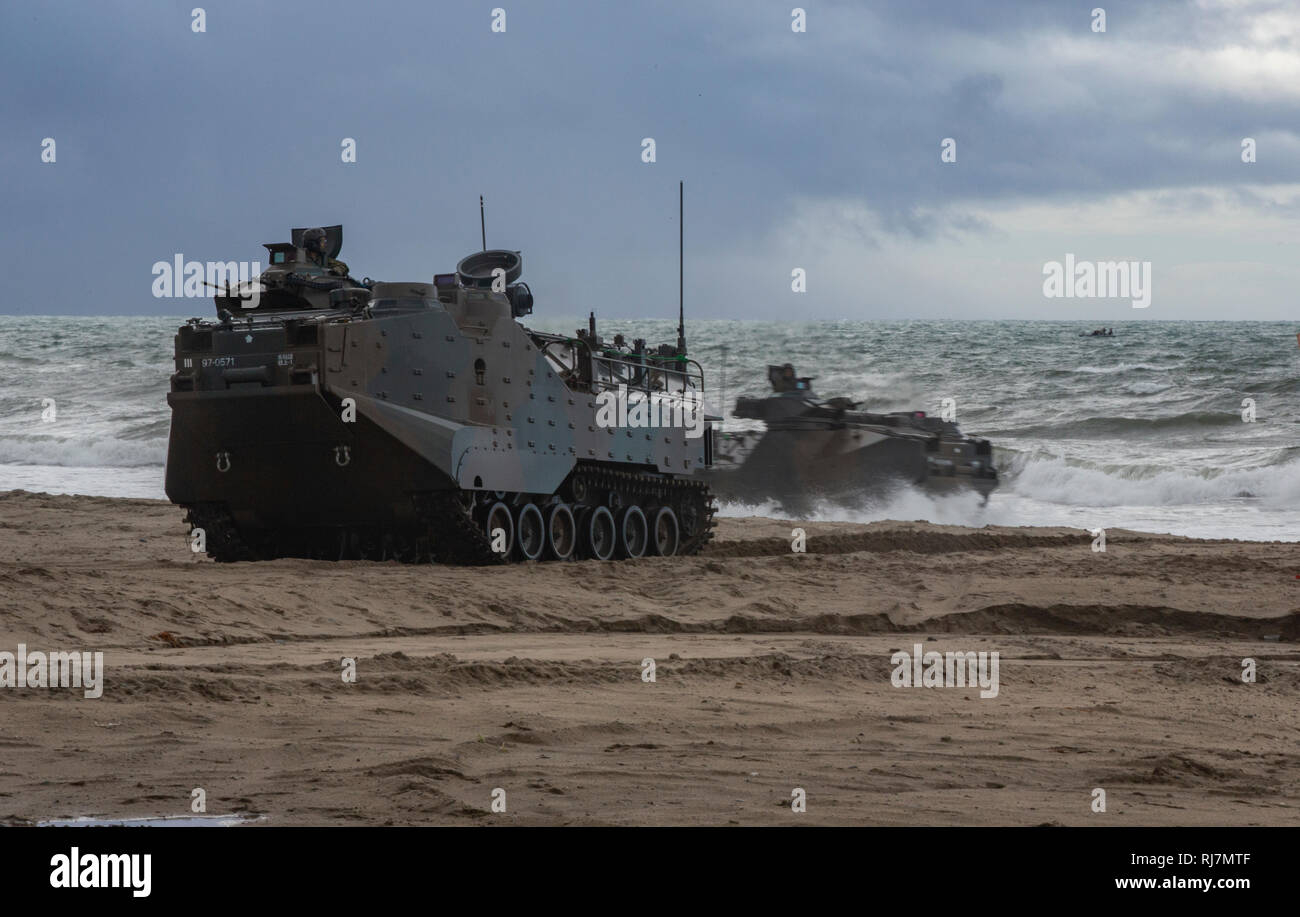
(1142, 430)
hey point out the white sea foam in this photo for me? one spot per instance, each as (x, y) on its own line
(1058, 481)
(82, 452)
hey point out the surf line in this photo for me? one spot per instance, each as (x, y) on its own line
(945, 670)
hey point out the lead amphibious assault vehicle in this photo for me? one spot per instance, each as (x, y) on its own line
(337, 418)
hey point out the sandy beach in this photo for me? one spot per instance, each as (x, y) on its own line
(1119, 671)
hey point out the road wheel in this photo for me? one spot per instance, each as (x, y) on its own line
(498, 519)
(561, 532)
(665, 532)
(632, 532)
(600, 539)
(530, 532)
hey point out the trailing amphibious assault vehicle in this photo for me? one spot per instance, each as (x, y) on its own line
(338, 418)
(813, 449)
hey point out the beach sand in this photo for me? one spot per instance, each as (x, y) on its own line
(1118, 671)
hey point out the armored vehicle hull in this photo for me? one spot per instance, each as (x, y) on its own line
(424, 422)
(813, 450)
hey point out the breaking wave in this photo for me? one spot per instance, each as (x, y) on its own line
(1089, 427)
(81, 452)
(1057, 481)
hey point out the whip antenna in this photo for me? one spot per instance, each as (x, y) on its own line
(681, 282)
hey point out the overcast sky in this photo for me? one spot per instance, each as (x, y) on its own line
(818, 150)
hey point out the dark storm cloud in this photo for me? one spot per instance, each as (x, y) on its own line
(209, 144)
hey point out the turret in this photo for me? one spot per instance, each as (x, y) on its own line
(302, 275)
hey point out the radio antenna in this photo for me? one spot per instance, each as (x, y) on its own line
(723, 400)
(482, 221)
(681, 271)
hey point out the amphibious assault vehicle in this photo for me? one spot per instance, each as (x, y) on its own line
(830, 450)
(322, 416)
